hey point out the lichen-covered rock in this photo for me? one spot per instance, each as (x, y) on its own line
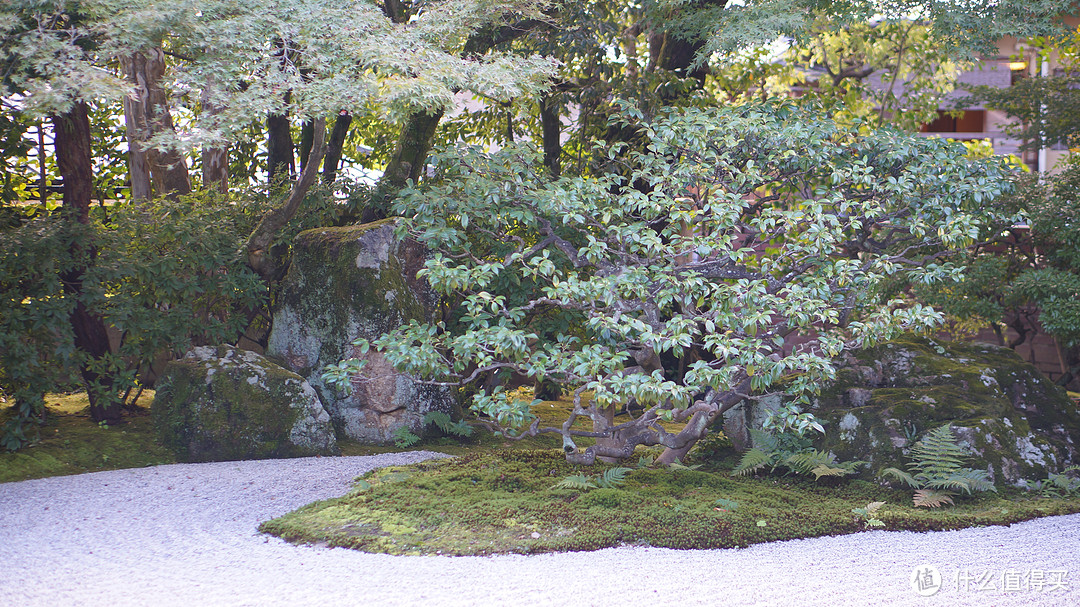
(746, 416)
(220, 404)
(1018, 424)
(349, 282)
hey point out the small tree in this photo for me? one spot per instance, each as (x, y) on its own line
(675, 284)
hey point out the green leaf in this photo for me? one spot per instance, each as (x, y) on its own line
(577, 482)
(613, 477)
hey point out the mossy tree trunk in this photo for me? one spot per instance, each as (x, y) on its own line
(408, 161)
(258, 244)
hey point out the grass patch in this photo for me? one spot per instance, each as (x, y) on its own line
(71, 443)
(505, 502)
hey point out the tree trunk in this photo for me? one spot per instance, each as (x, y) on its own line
(332, 161)
(260, 258)
(138, 165)
(215, 168)
(73, 160)
(549, 122)
(307, 137)
(408, 162)
(215, 160)
(701, 421)
(146, 113)
(279, 148)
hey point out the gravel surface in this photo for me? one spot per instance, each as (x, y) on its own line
(186, 535)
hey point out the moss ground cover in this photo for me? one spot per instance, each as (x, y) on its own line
(71, 443)
(505, 502)
(498, 495)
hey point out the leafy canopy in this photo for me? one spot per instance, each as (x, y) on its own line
(674, 281)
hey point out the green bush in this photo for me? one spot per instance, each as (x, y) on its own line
(35, 340)
(167, 274)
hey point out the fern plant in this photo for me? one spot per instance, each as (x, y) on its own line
(869, 514)
(936, 471)
(443, 422)
(1061, 484)
(775, 451)
(404, 438)
(609, 479)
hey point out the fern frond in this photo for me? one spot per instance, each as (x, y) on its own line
(578, 482)
(438, 418)
(977, 480)
(645, 461)
(447, 425)
(869, 514)
(937, 453)
(613, 477)
(763, 440)
(902, 476)
(821, 471)
(404, 438)
(851, 467)
(931, 498)
(726, 504)
(1061, 481)
(807, 461)
(752, 461)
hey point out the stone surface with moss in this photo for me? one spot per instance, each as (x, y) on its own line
(350, 282)
(1017, 424)
(223, 403)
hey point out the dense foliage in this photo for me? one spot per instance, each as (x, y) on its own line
(674, 284)
(1026, 280)
(198, 82)
(167, 275)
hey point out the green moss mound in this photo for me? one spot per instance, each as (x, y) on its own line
(505, 503)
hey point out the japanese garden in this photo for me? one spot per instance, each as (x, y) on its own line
(542, 277)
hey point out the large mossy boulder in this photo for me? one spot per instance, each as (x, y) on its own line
(350, 282)
(221, 404)
(1018, 424)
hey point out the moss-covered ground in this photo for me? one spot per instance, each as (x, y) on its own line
(71, 443)
(498, 496)
(507, 502)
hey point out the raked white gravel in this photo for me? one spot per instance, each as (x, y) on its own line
(186, 535)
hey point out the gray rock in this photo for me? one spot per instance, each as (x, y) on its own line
(350, 282)
(747, 415)
(219, 404)
(1017, 424)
